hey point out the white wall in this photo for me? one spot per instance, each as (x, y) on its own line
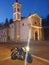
(3, 35)
(0, 36)
(12, 31)
(24, 29)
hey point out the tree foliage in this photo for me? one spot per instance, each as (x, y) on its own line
(45, 22)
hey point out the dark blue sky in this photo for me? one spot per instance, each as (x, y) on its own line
(41, 7)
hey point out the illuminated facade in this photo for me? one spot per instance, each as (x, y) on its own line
(18, 30)
(36, 27)
(22, 26)
(16, 19)
(3, 33)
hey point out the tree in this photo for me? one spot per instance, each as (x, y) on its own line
(6, 21)
(43, 22)
(47, 20)
(11, 21)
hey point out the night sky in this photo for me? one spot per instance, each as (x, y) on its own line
(41, 7)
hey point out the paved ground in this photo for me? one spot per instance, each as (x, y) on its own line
(40, 49)
(6, 60)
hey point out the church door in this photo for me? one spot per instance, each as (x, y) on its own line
(36, 36)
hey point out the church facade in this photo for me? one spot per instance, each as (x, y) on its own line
(19, 29)
(22, 26)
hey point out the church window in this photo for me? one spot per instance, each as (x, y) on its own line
(22, 24)
(4, 33)
(18, 9)
(14, 17)
(12, 26)
(14, 9)
(8, 37)
(29, 25)
(1, 31)
(39, 23)
(35, 22)
(18, 16)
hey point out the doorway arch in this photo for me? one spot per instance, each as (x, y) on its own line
(36, 35)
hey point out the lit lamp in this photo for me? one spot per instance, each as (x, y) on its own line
(27, 48)
(18, 36)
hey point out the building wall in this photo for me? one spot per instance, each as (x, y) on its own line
(12, 31)
(24, 29)
(3, 35)
(16, 19)
(17, 31)
(36, 27)
(39, 32)
(0, 36)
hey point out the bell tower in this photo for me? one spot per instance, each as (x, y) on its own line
(16, 19)
(16, 11)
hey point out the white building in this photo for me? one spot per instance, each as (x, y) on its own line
(3, 34)
(24, 29)
(18, 30)
(22, 26)
(11, 31)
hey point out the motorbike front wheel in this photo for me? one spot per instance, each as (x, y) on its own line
(29, 59)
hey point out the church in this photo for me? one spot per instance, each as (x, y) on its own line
(23, 25)
(19, 29)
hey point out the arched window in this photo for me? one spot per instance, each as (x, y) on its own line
(35, 22)
(36, 35)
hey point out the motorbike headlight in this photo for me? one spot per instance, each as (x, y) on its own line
(27, 48)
